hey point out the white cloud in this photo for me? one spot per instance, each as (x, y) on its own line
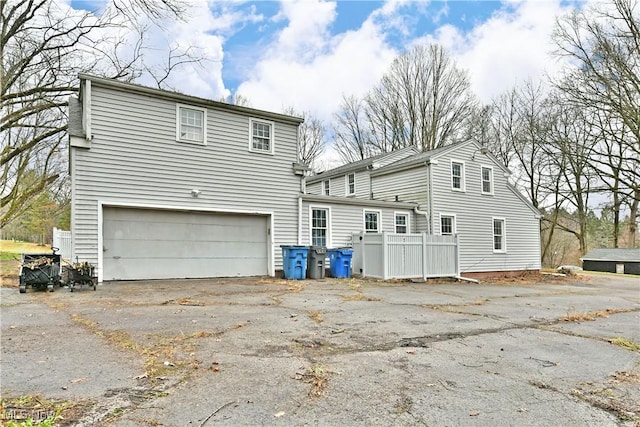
(508, 48)
(329, 66)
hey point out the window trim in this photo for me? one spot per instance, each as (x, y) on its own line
(271, 136)
(454, 223)
(328, 234)
(378, 212)
(407, 225)
(346, 180)
(326, 187)
(491, 181)
(463, 181)
(504, 235)
(179, 107)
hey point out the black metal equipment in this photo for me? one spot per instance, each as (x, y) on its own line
(80, 273)
(40, 271)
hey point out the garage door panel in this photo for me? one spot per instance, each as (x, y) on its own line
(128, 248)
(177, 231)
(133, 269)
(155, 244)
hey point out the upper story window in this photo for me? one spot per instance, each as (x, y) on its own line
(261, 139)
(457, 176)
(499, 235)
(191, 124)
(372, 221)
(487, 180)
(402, 223)
(325, 187)
(447, 225)
(351, 184)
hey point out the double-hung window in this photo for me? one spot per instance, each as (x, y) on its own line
(261, 136)
(499, 235)
(402, 223)
(457, 176)
(191, 124)
(351, 184)
(371, 221)
(319, 226)
(447, 225)
(325, 187)
(487, 180)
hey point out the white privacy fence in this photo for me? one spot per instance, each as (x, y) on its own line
(405, 256)
(62, 241)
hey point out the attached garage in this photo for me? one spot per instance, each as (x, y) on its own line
(168, 244)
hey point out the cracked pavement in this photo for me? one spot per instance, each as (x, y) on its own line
(263, 351)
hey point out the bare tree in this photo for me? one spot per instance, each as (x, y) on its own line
(604, 43)
(311, 137)
(423, 100)
(43, 46)
(569, 149)
(350, 131)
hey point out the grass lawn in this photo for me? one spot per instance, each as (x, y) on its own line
(10, 252)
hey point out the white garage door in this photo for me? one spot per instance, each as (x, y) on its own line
(162, 244)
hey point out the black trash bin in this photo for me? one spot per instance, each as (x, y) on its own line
(315, 267)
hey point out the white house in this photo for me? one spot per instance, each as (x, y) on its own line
(458, 189)
(166, 185)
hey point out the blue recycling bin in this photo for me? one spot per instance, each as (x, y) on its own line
(340, 262)
(294, 261)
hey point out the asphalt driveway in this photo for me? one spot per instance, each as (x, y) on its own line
(268, 351)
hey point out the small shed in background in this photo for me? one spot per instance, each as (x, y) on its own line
(615, 260)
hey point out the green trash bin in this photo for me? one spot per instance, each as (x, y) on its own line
(315, 262)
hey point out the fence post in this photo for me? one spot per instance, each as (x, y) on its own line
(362, 251)
(424, 255)
(385, 256)
(457, 256)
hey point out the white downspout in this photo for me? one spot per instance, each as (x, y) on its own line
(299, 220)
(427, 215)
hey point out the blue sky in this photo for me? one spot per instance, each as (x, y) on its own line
(308, 54)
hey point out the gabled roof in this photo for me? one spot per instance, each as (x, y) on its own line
(177, 96)
(613, 254)
(380, 160)
(427, 156)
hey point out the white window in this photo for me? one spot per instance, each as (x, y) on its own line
(402, 223)
(351, 184)
(499, 235)
(371, 221)
(191, 124)
(447, 225)
(261, 136)
(487, 179)
(319, 226)
(457, 176)
(325, 185)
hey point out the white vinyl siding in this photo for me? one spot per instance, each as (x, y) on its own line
(474, 213)
(486, 177)
(410, 185)
(134, 160)
(346, 219)
(191, 124)
(261, 139)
